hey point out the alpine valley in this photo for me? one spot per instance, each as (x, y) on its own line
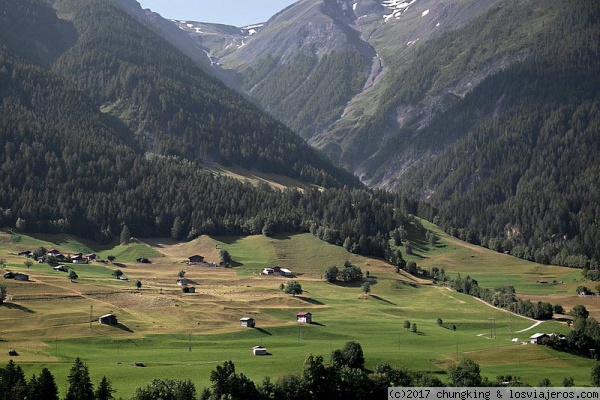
(486, 109)
(178, 196)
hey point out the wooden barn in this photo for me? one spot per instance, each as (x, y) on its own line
(304, 317)
(108, 319)
(247, 322)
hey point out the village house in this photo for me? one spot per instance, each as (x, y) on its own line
(304, 317)
(108, 319)
(285, 272)
(259, 351)
(267, 271)
(195, 259)
(538, 338)
(247, 322)
(78, 259)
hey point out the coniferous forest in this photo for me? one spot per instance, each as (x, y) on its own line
(69, 164)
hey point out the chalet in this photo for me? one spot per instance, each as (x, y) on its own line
(247, 322)
(267, 271)
(53, 252)
(304, 317)
(21, 277)
(259, 351)
(538, 338)
(90, 256)
(78, 259)
(276, 269)
(285, 272)
(108, 319)
(195, 259)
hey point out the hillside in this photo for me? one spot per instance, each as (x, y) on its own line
(48, 319)
(91, 145)
(485, 109)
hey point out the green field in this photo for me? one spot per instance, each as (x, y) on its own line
(184, 336)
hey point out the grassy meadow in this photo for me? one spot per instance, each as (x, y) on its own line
(184, 336)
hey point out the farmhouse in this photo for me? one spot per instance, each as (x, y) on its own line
(267, 271)
(53, 252)
(259, 351)
(304, 317)
(90, 256)
(108, 319)
(247, 322)
(195, 259)
(78, 259)
(538, 338)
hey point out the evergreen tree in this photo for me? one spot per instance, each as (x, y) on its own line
(43, 387)
(80, 385)
(125, 235)
(104, 390)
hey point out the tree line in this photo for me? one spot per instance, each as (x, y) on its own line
(343, 377)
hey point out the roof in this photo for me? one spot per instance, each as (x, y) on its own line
(537, 335)
(303, 314)
(107, 316)
(246, 319)
(285, 271)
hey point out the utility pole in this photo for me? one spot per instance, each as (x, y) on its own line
(91, 309)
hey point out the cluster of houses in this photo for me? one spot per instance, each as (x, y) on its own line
(276, 271)
(77, 258)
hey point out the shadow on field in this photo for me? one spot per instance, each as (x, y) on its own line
(309, 300)
(317, 323)
(263, 331)
(13, 306)
(120, 265)
(382, 299)
(122, 327)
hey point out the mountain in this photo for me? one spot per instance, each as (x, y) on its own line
(104, 127)
(487, 109)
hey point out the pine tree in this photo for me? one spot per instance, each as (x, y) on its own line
(105, 390)
(80, 385)
(125, 235)
(43, 387)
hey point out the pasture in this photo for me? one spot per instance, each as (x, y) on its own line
(184, 336)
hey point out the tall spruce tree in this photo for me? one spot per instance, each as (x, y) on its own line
(80, 385)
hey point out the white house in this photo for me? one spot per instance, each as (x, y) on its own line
(259, 351)
(537, 338)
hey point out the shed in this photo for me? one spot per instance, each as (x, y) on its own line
(21, 277)
(267, 271)
(304, 316)
(537, 338)
(108, 319)
(247, 321)
(259, 351)
(285, 272)
(195, 259)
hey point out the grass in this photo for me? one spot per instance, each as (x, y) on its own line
(48, 319)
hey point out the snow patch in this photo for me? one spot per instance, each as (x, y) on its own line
(424, 13)
(354, 6)
(190, 25)
(398, 8)
(438, 24)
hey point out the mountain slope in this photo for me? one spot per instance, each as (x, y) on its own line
(70, 163)
(485, 108)
(172, 106)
